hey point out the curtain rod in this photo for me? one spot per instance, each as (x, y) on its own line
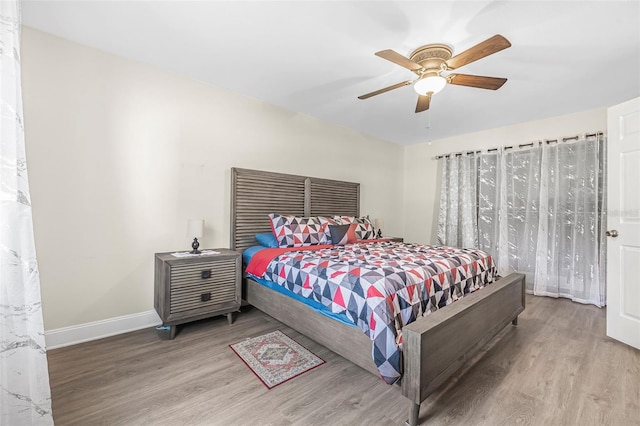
(524, 145)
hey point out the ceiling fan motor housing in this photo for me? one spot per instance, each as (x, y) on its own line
(432, 57)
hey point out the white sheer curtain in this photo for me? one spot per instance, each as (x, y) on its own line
(508, 209)
(571, 237)
(540, 211)
(25, 397)
(458, 224)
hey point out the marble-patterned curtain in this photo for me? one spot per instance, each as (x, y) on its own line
(25, 397)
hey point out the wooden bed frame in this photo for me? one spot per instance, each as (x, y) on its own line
(430, 355)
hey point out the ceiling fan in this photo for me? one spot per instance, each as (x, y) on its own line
(429, 61)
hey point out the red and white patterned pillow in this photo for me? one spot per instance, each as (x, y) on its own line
(364, 230)
(326, 222)
(295, 231)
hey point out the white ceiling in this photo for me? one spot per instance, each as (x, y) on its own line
(317, 57)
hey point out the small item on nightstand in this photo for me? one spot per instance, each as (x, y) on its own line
(195, 229)
(379, 223)
(190, 254)
(194, 245)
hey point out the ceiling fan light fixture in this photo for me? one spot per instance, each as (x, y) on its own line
(433, 84)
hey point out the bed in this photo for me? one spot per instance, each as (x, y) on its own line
(429, 353)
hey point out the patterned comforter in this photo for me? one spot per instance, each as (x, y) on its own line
(380, 286)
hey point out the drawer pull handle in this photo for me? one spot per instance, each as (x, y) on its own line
(205, 297)
(205, 274)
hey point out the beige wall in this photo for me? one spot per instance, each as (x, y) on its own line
(422, 174)
(121, 154)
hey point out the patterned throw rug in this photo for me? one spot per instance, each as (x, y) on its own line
(275, 358)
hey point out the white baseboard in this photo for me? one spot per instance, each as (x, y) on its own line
(67, 336)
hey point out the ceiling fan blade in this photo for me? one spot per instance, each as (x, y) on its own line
(386, 89)
(479, 51)
(396, 58)
(423, 102)
(478, 81)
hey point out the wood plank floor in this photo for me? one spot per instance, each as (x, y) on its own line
(556, 368)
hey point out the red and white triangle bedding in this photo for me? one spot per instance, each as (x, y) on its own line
(380, 285)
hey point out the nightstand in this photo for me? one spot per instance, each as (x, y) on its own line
(394, 239)
(196, 287)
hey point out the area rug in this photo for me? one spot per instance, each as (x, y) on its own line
(275, 358)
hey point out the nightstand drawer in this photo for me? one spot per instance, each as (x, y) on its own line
(201, 273)
(202, 295)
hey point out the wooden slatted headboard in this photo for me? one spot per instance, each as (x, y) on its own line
(256, 193)
(330, 197)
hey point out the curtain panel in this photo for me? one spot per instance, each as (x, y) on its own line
(540, 211)
(571, 235)
(25, 397)
(458, 201)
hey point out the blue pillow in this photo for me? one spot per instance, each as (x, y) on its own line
(267, 240)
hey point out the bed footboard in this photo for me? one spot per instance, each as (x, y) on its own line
(347, 341)
(449, 337)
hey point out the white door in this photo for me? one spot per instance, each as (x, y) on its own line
(623, 211)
